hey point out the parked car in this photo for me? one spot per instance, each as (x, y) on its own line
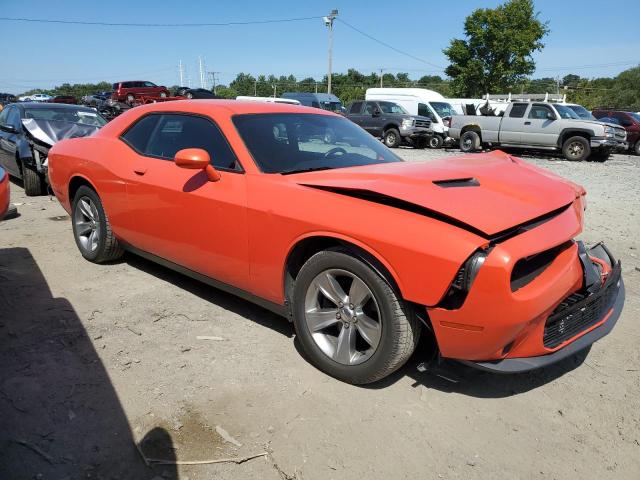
(129, 92)
(391, 122)
(36, 97)
(246, 98)
(539, 125)
(364, 248)
(6, 98)
(195, 93)
(629, 120)
(98, 99)
(69, 99)
(422, 102)
(580, 111)
(325, 101)
(27, 132)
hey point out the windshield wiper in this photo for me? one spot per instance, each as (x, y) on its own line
(303, 170)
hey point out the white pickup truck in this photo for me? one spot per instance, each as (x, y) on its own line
(539, 125)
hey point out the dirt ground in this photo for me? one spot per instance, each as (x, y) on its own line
(96, 359)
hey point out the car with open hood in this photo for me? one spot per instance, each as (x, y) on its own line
(359, 249)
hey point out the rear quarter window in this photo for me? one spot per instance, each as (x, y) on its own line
(518, 109)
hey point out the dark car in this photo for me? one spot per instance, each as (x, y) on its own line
(97, 99)
(6, 98)
(195, 93)
(29, 129)
(131, 91)
(630, 121)
(391, 122)
(65, 99)
(325, 101)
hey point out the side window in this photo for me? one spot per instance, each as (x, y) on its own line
(149, 84)
(175, 132)
(137, 137)
(517, 110)
(540, 112)
(356, 108)
(315, 104)
(14, 118)
(370, 108)
(623, 119)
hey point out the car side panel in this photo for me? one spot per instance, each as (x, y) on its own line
(421, 253)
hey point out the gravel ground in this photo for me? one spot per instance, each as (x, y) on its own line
(96, 358)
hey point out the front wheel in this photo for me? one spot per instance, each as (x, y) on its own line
(350, 322)
(33, 182)
(392, 138)
(435, 141)
(636, 148)
(91, 228)
(576, 149)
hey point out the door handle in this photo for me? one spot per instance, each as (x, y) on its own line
(140, 170)
(527, 123)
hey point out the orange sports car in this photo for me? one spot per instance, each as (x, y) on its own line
(306, 214)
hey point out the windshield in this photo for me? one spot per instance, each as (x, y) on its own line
(636, 116)
(389, 107)
(443, 109)
(566, 112)
(293, 142)
(609, 120)
(582, 112)
(331, 106)
(70, 115)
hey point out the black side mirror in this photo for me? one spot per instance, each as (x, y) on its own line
(376, 112)
(9, 128)
(550, 116)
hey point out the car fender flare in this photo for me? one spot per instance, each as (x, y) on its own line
(570, 131)
(364, 252)
(391, 125)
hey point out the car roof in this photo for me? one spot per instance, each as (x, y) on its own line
(38, 105)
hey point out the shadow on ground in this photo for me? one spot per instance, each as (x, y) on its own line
(60, 416)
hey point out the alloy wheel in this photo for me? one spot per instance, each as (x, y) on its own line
(343, 317)
(576, 149)
(87, 223)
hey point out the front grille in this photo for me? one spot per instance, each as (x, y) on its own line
(423, 123)
(620, 134)
(579, 311)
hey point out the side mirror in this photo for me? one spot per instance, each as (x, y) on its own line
(550, 116)
(9, 128)
(376, 112)
(196, 159)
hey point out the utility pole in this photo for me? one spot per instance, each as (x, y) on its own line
(316, 87)
(255, 88)
(181, 73)
(213, 80)
(275, 89)
(558, 84)
(381, 70)
(328, 21)
(203, 76)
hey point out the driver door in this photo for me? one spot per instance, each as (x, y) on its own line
(179, 215)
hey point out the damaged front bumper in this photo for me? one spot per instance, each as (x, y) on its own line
(601, 307)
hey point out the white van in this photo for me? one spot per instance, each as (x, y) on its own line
(419, 101)
(268, 99)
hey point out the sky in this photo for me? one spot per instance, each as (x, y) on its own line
(588, 37)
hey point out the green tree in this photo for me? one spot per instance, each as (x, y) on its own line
(497, 53)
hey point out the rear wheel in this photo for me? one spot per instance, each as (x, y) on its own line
(392, 138)
(350, 322)
(435, 141)
(130, 99)
(33, 182)
(636, 148)
(576, 149)
(470, 142)
(91, 228)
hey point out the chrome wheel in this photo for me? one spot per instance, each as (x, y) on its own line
(342, 316)
(87, 224)
(575, 150)
(391, 138)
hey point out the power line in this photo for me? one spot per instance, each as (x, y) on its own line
(120, 24)
(397, 50)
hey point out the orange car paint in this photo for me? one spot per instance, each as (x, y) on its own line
(241, 229)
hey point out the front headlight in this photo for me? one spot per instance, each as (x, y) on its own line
(408, 122)
(609, 132)
(457, 293)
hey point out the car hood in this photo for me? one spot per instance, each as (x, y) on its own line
(489, 194)
(50, 132)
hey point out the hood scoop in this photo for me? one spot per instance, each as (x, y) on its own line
(457, 182)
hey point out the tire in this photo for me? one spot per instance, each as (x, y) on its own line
(435, 141)
(104, 246)
(392, 327)
(470, 142)
(391, 138)
(189, 95)
(163, 95)
(636, 148)
(576, 149)
(131, 99)
(33, 182)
